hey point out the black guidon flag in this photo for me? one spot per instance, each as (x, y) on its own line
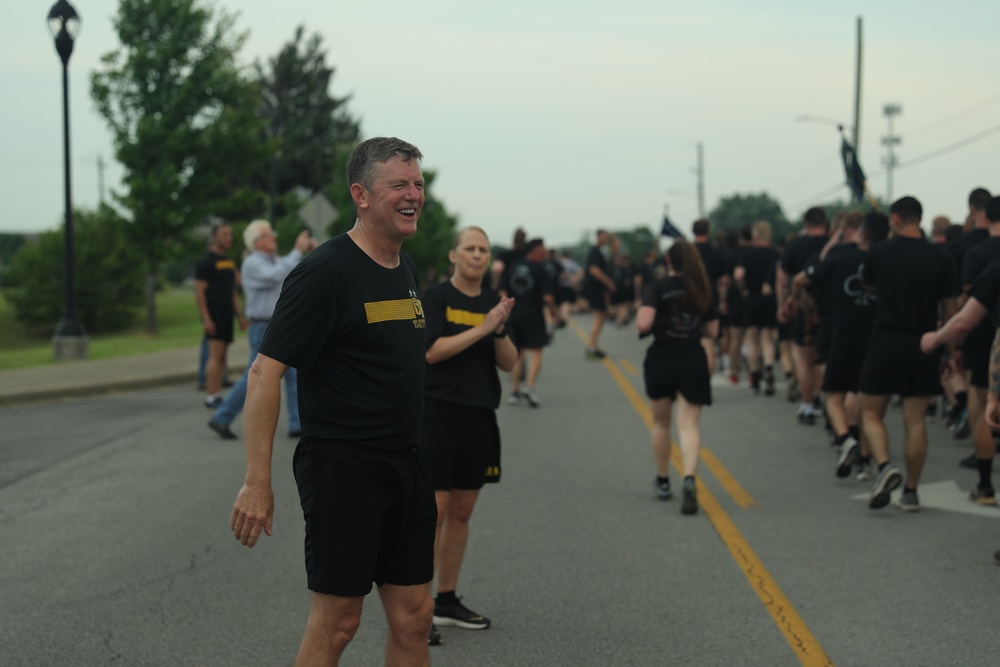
(668, 229)
(852, 169)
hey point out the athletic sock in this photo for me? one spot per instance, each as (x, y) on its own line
(855, 432)
(961, 400)
(839, 440)
(446, 597)
(985, 472)
(883, 466)
(688, 477)
(662, 480)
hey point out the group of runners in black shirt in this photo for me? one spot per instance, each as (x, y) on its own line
(861, 301)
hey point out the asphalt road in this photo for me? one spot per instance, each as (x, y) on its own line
(115, 547)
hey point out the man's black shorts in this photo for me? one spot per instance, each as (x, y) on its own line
(976, 353)
(461, 445)
(760, 311)
(895, 365)
(596, 297)
(737, 313)
(669, 369)
(370, 516)
(824, 339)
(222, 317)
(527, 330)
(844, 361)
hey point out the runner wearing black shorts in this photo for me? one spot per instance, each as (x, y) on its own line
(349, 320)
(800, 310)
(735, 304)
(760, 307)
(466, 342)
(838, 275)
(911, 280)
(597, 289)
(533, 290)
(677, 311)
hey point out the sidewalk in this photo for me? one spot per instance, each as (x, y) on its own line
(77, 379)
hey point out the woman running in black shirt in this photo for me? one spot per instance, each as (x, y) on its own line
(677, 311)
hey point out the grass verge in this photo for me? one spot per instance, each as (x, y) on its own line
(176, 315)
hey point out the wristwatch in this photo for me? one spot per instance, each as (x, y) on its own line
(503, 332)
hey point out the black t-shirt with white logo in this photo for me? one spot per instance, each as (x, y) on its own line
(470, 377)
(838, 279)
(528, 282)
(671, 325)
(220, 273)
(355, 331)
(910, 277)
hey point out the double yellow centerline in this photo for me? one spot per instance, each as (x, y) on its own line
(791, 625)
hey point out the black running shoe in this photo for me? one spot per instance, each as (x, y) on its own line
(662, 489)
(849, 450)
(689, 494)
(888, 481)
(996, 558)
(983, 495)
(458, 615)
(433, 637)
(969, 462)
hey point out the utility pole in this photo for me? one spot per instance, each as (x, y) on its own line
(857, 94)
(890, 141)
(701, 181)
(100, 178)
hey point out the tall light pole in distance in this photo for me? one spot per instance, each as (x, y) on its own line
(70, 340)
(890, 141)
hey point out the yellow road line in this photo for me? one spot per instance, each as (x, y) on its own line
(629, 368)
(807, 649)
(740, 495)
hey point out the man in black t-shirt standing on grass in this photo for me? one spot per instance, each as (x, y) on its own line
(218, 302)
(911, 279)
(350, 322)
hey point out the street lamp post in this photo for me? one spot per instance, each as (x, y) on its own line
(70, 340)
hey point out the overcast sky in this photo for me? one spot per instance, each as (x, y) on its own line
(567, 115)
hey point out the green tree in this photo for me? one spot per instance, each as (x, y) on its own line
(636, 242)
(307, 125)
(839, 206)
(10, 244)
(736, 210)
(184, 121)
(109, 280)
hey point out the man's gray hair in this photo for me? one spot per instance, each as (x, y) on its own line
(375, 151)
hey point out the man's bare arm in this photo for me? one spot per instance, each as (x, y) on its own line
(254, 507)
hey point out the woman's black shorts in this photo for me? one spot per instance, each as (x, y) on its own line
(461, 445)
(669, 369)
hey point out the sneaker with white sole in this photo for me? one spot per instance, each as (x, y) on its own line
(515, 398)
(888, 481)
(662, 489)
(909, 502)
(530, 396)
(849, 450)
(455, 614)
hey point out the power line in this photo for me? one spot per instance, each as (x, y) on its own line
(950, 147)
(961, 114)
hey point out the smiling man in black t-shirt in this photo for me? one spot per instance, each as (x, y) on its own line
(912, 280)
(350, 322)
